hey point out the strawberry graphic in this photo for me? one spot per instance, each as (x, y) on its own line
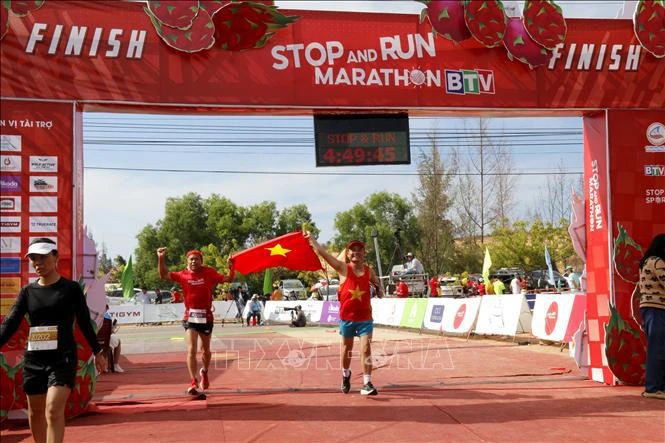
(625, 349)
(4, 20)
(80, 397)
(521, 46)
(213, 6)
(446, 18)
(177, 14)
(197, 37)
(544, 22)
(627, 256)
(21, 8)
(7, 375)
(649, 26)
(247, 25)
(486, 21)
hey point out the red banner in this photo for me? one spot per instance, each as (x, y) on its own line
(109, 52)
(36, 145)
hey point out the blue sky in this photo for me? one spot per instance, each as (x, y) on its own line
(119, 203)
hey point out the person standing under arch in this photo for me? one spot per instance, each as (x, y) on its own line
(197, 282)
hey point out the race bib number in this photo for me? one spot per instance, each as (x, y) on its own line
(43, 338)
(197, 316)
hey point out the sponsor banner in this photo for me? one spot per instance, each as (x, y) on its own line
(503, 315)
(55, 239)
(6, 304)
(47, 163)
(10, 245)
(10, 143)
(43, 204)
(460, 314)
(10, 163)
(434, 313)
(551, 316)
(10, 286)
(158, 313)
(10, 265)
(387, 311)
(10, 224)
(43, 224)
(10, 184)
(330, 313)
(10, 204)
(414, 313)
(43, 183)
(274, 310)
(324, 59)
(127, 313)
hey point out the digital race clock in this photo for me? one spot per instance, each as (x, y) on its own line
(362, 139)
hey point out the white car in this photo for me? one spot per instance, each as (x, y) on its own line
(329, 292)
(293, 289)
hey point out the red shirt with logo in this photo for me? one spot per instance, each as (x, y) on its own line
(197, 288)
(355, 297)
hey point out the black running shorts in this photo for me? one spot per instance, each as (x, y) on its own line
(204, 328)
(38, 376)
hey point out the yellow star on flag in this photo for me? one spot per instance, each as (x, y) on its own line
(278, 250)
(356, 294)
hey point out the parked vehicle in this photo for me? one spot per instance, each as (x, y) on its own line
(539, 280)
(329, 292)
(293, 289)
(114, 297)
(417, 283)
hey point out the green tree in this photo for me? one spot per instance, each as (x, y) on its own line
(431, 202)
(390, 216)
(104, 262)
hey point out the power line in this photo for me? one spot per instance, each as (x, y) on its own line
(319, 173)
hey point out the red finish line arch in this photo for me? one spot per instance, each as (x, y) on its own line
(68, 57)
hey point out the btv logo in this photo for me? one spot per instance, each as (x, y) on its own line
(475, 81)
(654, 170)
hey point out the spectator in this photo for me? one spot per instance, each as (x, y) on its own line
(481, 287)
(515, 285)
(498, 286)
(298, 318)
(143, 296)
(176, 296)
(158, 296)
(571, 278)
(254, 310)
(652, 310)
(114, 343)
(402, 290)
(413, 265)
(277, 293)
(434, 286)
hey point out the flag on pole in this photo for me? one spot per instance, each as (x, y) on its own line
(267, 281)
(291, 251)
(487, 264)
(550, 271)
(127, 280)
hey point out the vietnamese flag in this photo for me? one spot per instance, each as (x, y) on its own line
(291, 251)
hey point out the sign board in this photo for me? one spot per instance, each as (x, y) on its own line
(362, 139)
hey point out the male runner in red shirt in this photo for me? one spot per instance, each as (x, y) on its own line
(197, 282)
(355, 311)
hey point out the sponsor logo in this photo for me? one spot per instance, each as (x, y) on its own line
(43, 224)
(10, 224)
(437, 314)
(10, 143)
(43, 184)
(10, 163)
(10, 183)
(654, 170)
(469, 81)
(10, 204)
(43, 164)
(10, 245)
(459, 316)
(43, 204)
(10, 265)
(655, 196)
(656, 137)
(10, 286)
(551, 317)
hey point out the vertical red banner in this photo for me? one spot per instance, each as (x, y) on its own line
(598, 263)
(36, 148)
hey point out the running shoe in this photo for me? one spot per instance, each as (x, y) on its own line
(204, 379)
(117, 368)
(193, 387)
(369, 389)
(658, 394)
(346, 383)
